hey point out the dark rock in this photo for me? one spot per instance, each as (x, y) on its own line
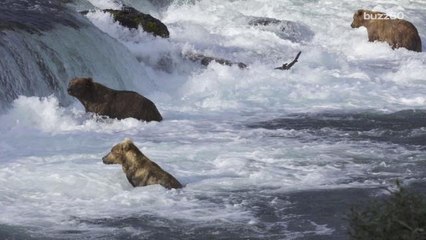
(293, 31)
(206, 60)
(132, 18)
(84, 12)
(264, 21)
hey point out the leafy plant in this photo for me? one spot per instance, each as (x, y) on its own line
(402, 216)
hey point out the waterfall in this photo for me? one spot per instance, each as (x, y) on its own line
(40, 53)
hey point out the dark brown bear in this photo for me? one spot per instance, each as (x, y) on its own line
(139, 170)
(397, 32)
(99, 99)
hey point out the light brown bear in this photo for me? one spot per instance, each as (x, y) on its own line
(102, 100)
(397, 32)
(139, 170)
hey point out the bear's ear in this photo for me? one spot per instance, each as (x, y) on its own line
(360, 12)
(127, 143)
(89, 82)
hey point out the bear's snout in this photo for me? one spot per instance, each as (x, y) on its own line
(69, 90)
(105, 159)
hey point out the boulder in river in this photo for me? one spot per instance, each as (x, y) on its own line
(293, 31)
(206, 60)
(132, 18)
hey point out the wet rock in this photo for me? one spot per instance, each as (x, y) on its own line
(263, 21)
(84, 12)
(293, 31)
(132, 18)
(206, 60)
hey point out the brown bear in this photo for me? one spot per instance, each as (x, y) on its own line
(397, 32)
(139, 170)
(99, 99)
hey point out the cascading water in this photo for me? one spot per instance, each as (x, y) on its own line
(44, 45)
(264, 154)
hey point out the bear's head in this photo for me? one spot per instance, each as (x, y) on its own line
(361, 17)
(80, 87)
(118, 152)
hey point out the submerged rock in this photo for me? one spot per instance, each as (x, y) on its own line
(132, 18)
(206, 60)
(264, 21)
(293, 31)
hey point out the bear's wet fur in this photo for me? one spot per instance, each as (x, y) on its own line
(102, 100)
(139, 170)
(397, 32)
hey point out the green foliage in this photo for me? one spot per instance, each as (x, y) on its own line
(402, 216)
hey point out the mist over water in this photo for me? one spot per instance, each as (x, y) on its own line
(264, 154)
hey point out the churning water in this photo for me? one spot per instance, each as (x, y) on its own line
(264, 154)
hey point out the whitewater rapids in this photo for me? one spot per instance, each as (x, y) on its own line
(264, 154)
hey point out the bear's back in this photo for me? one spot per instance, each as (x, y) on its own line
(397, 32)
(123, 104)
(159, 176)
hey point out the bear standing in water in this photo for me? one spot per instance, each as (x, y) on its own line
(397, 32)
(99, 99)
(139, 170)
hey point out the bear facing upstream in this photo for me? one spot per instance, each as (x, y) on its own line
(397, 32)
(102, 100)
(139, 170)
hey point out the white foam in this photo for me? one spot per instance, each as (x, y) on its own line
(46, 115)
(43, 113)
(326, 76)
